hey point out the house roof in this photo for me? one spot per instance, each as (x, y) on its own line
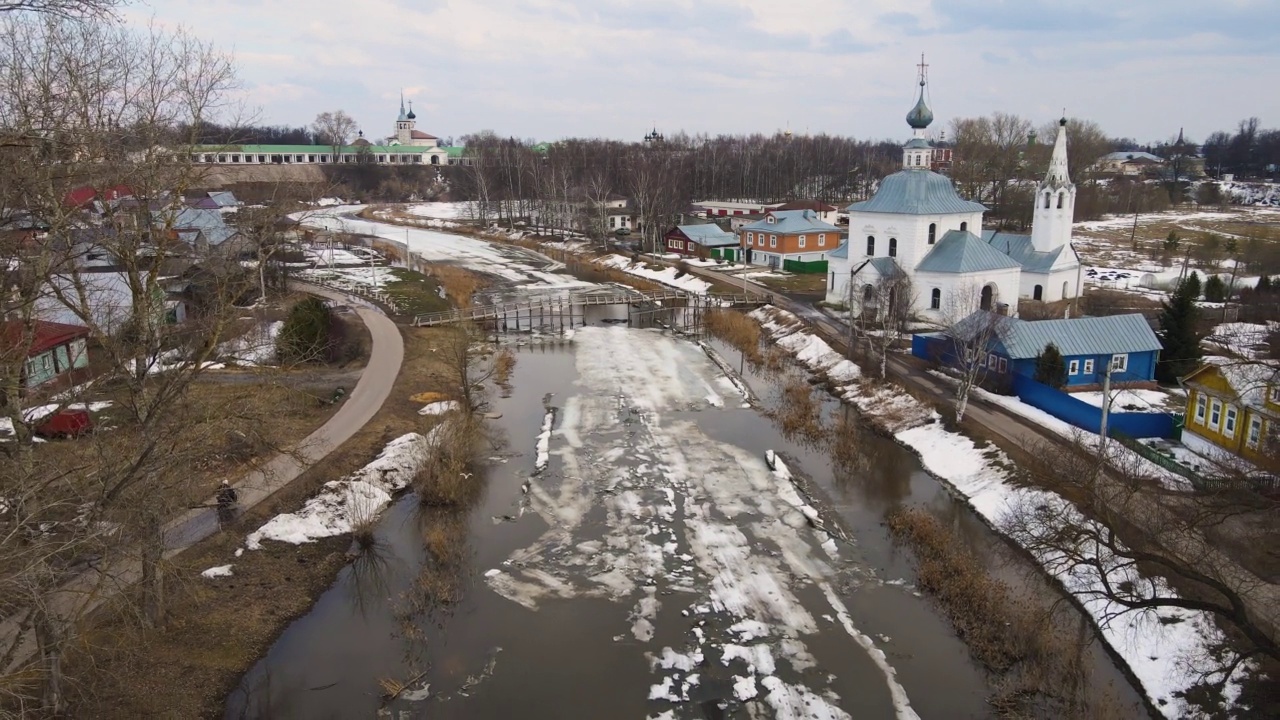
(455, 151)
(960, 251)
(45, 335)
(786, 222)
(1019, 248)
(224, 198)
(189, 222)
(885, 267)
(708, 235)
(1132, 155)
(806, 205)
(916, 192)
(419, 135)
(204, 203)
(840, 252)
(357, 146)
(1248, 379)
(1110, 335)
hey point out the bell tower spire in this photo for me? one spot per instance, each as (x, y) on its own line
(1055, 200)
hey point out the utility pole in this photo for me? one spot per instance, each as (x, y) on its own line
(1106, 408)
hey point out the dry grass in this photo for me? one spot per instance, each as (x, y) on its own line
(459, 284)
(1041, 665)
(799, 412)
(738, 330)
(796, 284)
(504, 363)
(448, 478)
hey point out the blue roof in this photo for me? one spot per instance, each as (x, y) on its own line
(224, 198)
(960, 251)
(916, 192)
(885, 267)
(792, 221)
(1111, 335)
(189, 221)
(708, 235)
(1019, 248)
(840, 252)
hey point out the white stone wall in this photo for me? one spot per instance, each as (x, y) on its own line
(912, 232)
(962, 293)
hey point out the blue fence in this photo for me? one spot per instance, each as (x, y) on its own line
(1088, 417)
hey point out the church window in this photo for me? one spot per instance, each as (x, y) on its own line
(1046, 201)
(311, 158)
(262, 158)
(1037, 293)
(1061, 196)
(893, 247)
(933, 233)
(435, 159)
(935, 299)
(871, 245)
(964, 226)
(822, 240)
(1064, 291)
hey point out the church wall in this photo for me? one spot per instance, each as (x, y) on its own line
(961, 293)
(911, 231)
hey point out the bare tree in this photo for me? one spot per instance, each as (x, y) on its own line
(67, 9)
(881, 314)
(969, 335)
(335, 129)
(98, 122)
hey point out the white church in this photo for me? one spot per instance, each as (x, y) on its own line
(916, 224)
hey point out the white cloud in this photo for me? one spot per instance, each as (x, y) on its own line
(553, 68)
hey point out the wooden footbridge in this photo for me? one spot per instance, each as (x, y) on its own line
(570, 310)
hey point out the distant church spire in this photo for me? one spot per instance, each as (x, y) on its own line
(403, 116)
(1058, 175)
(1055, 200)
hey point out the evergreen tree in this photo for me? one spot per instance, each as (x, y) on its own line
(1264, 284)
(1051, 367)
(1215, 290)
(1193, 285)
(1178, 316)
(305, 335)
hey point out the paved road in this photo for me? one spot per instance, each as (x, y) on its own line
(91, 588)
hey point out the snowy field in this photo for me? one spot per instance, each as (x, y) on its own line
(439, 210)
(700, 538)
(1156, 646)
(665, 276)
(1246, 340)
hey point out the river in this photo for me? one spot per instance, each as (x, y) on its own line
(644, 561)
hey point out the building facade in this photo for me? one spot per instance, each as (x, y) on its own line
(918, 221)
(1232, 411)
(788, 236)
(703, 241)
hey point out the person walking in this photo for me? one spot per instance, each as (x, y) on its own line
(226, 498)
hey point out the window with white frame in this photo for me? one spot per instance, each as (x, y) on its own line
(773, 241)
(750, 238)
(1215, 414)
(1275, 394)
(802, 238)
(1088, 366)
(1255, 431)
(1229, 423)
(991, 360)
(1119, 363)
(1004, 365)
(822, 240)
(1073, 368)
(1201, 406)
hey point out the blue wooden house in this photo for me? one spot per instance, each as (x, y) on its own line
(1090, 346)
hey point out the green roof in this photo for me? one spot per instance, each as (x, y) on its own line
(456, 151)
(310, 149)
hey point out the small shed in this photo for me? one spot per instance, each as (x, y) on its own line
(53, 350)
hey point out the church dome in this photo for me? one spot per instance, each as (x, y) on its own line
(411, 116)
(916, 192)
(920, 115)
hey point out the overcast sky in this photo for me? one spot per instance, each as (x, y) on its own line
(548, 69)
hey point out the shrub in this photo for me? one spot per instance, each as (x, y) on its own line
(306, 333)
(446, 478)
(1215, 290)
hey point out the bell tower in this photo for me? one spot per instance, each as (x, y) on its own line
(404, 124)
(1055, 200)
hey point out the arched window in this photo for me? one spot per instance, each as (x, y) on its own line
(871, 245)
(933, 233)
(435, 159)
(1061, 197)
(1037, 293)
(867, 290)
(964, 226)
(1046, 201)
(1064, 291)
(935, 299)
(987, 296)
(893, 247)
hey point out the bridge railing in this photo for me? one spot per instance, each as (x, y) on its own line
(486, 312)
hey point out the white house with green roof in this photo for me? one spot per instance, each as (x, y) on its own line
(407, 146)
(917, 225)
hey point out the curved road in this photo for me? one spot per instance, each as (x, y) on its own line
(91, 588)
(360, 406)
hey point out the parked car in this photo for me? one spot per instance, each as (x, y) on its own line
(622, 231)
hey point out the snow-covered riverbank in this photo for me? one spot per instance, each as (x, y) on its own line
(1155, 646)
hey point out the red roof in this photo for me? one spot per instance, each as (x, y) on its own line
(419, 135)
(47, 335)
(82, 196)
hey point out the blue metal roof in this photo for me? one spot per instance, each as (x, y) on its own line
(708, 235)
(916, 192)
(960, 251)
(792, 221)
(189, 221)
(840, 252)
(885, 267)
(1019, 248)
(1111, 335)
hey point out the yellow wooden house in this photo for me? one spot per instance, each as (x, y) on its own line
(1233, 410)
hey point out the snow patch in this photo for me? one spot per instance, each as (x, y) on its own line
(217, 572)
